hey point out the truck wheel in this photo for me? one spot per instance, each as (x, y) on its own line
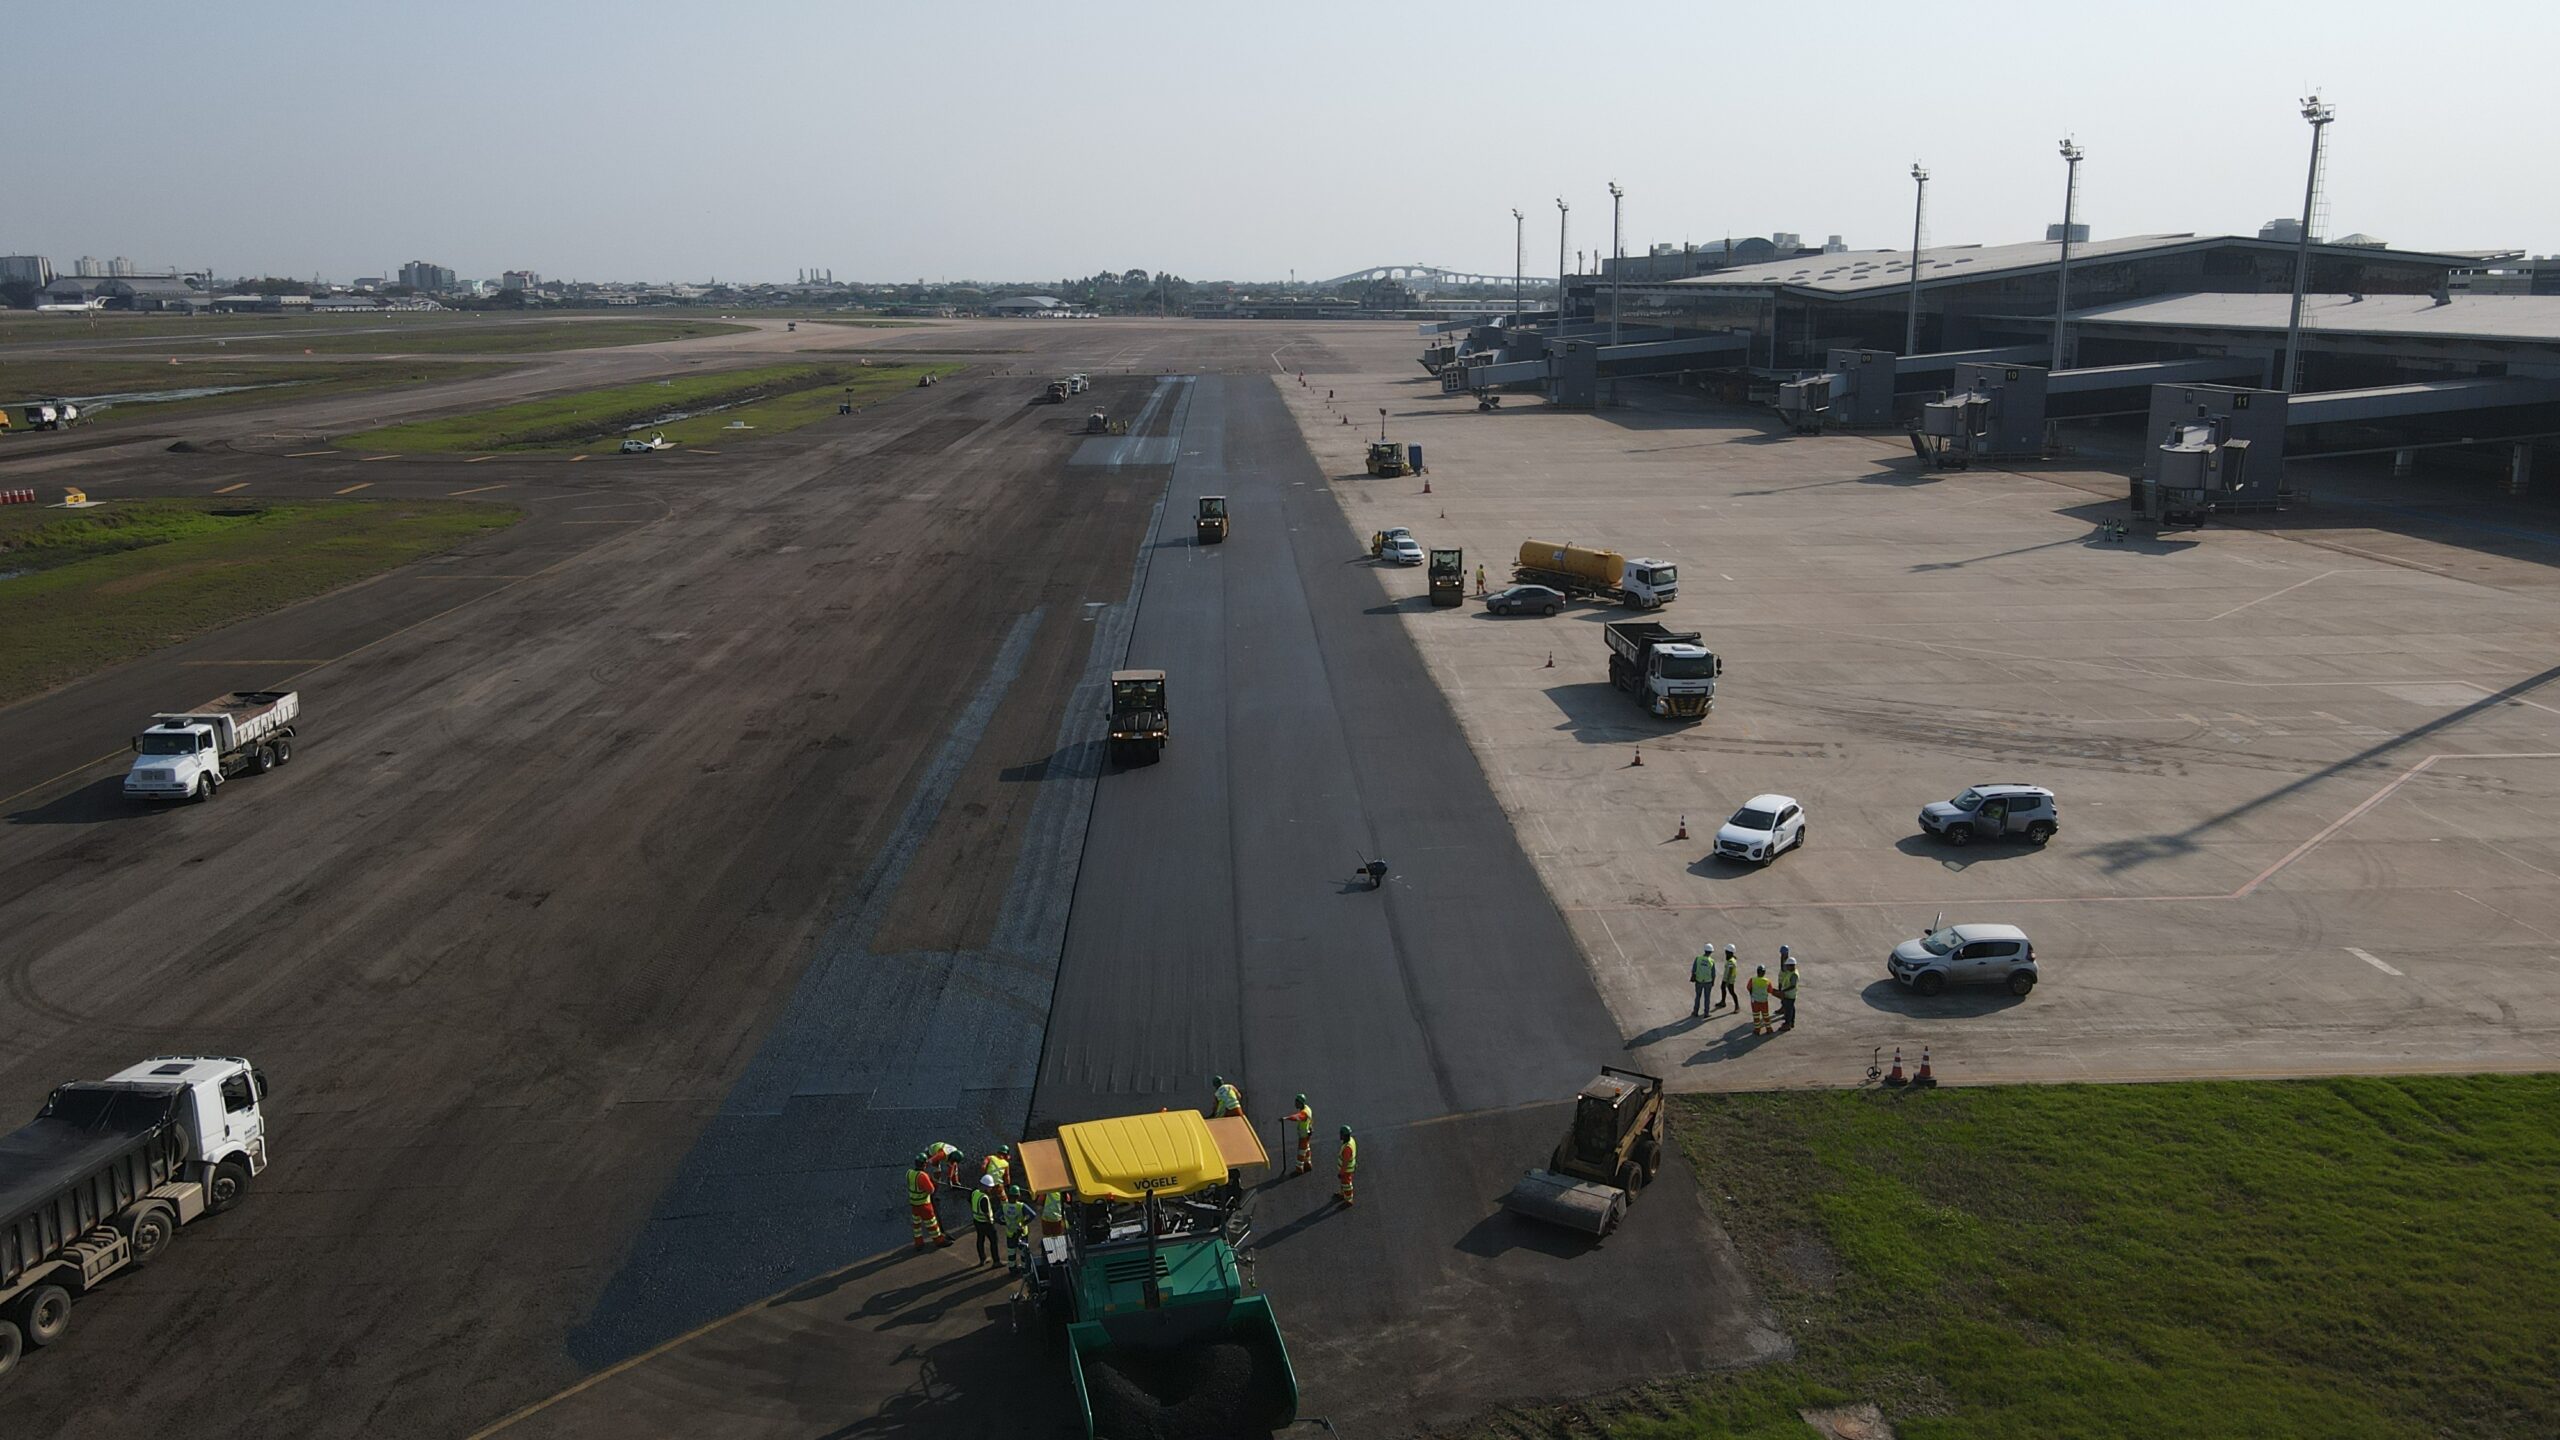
(1959, 834)
(261, 760)
(11, 1342)
(1649, 1155)
(225, 1186)
(284, 750)
(44, 1313)
(149, 1233)
(1630, 1178)
(204, 789)
(2039, 833)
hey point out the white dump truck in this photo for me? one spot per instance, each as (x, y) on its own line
(186, 755)
(108, 1171)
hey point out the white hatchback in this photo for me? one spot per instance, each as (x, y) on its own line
(1764, 828)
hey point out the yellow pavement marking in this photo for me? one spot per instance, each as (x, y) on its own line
(574, 459)
(359, 485)
(307, 454)
(479, 459)
(236, 485)
(476, 490)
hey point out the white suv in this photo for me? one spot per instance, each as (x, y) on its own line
(1986, 811)
(1766, 827)
(1966, 955)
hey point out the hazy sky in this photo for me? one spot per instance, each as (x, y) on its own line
(638, 139)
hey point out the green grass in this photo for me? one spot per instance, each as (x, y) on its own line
(2337, 1259)
(279, 380)
(773, 399)
(399, 332)
(87, 589)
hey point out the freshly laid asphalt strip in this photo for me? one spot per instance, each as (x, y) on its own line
(1216, 930)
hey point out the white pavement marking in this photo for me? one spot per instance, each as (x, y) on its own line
(2289, 589)
(2376, 964)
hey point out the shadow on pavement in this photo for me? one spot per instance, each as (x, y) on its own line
(1967, 1003)
(1667, 1029)
(98, 801)
(1731, 1045)
(1407, 605)
(1502, 1232)
(1964, 857)
(1596, 713)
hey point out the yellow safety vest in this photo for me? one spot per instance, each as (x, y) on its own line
(1305, 1115)
(1787, 983)
(1702, 971)
(982, 1206)
(1230, 1102)
(919, 1188)
(1017, 1217)
(1350, 1156)
(1053, 1206)
(997, 1166)
(1759, 987)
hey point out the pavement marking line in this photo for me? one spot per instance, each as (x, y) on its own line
(475, 490)
(306, 454)
(613, 522)
(479, 459)
(236, 485)
(2368, 958)
(2289, 589)
(359, 485)
(253, 662)
(574, 459)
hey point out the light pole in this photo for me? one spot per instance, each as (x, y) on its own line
(1617, 261)
(2319, 115)
(2062, 275)
(1555, 346)
(1519, 240)
(1911, 323)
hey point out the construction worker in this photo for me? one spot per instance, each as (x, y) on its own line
(1349, 1162)
(1786, 988)
(921, 1216)
(1224, 1099)
(1480, 590)
(1016, 1218)
(945, 1157)
(997, 1167)
(1760, 988)
(1304, 1117)
(1702, 982)
(982, 1220)
(1053, 1213)
(1726, 996)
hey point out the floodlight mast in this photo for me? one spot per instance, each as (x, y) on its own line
(2062, 275)
(2319, 116)
(1911, 322)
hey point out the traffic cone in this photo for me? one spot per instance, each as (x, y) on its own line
(1551, 659)
(1684, 829)
(1426, 487)
(1896, 1077)
(1639, 760)
(1924, 1077)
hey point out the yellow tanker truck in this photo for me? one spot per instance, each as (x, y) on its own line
(1585, 573)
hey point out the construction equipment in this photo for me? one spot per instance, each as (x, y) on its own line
(1056, 394)
(1448, 577)
(1097, 423)
(1137, 717)
(187, 755)
(1387, 459)
(1212, 522)
(1581, 572)
(1165, 1335)
(1613, 1150)
(1668, 671)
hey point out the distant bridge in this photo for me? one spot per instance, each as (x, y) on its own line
(1425, 277)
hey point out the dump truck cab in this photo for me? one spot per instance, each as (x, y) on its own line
(1212, 520)
(1138, 719)
(1448, 577)
(1148, 1277)
(1386, 458)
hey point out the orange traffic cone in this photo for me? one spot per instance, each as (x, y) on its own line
(1551, 659)
(1639, 760)
(1426, 487)
(1684, 829)
(1896, 1077)
(1924, 1077)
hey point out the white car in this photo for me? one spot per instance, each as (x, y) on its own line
(1766, 827)
(1966, 955)
(1403, 550)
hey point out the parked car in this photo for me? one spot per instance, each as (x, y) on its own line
(1403, 550)
(1966, 955)
(1379, 540)
(1766, 827)
(1986, 811)
(1525, 600)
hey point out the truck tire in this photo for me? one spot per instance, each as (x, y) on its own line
(11, 1343)
(1649, 1155)
(284, 749)
(261, 760)
(204, 789)
(149, 1233)
(44, 1313)
(225, 1187)
(1630, 1178)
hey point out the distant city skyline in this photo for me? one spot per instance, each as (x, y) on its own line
(643, 141)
